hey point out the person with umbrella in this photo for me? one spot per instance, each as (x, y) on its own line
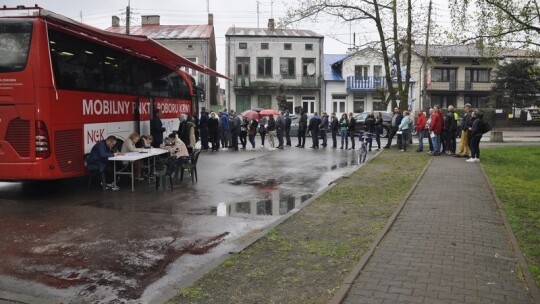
(271, 129)
(243, 132)
(252, 131)
(262, 130)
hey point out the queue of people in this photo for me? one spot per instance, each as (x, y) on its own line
(443, 129)
(227, 130)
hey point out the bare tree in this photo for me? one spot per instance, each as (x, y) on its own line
(497, 22)
(393, 40)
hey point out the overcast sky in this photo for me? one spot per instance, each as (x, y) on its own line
(227, 13)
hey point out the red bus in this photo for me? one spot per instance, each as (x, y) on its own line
(65, 85)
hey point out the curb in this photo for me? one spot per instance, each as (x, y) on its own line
(343, 290)
(529, 280)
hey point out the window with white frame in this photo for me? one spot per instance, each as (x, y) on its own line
(378, 105)
(339, 103)
(290, 104)
(359, 101)
(308, 104)
(361, 70)
(477, 75)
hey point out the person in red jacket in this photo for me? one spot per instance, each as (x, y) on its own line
(435, 129)
(420, 126)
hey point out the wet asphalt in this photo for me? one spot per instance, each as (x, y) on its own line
(62, 242)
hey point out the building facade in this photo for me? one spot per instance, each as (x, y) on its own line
(457, 74)
(194, 42)
(353, 82)
(259, 61)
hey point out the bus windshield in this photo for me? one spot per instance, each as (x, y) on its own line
(14, 44)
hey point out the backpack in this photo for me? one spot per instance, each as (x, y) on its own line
(486, 127)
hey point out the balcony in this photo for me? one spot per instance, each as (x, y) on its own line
(364, 83)
(455, 86)
(295, 82)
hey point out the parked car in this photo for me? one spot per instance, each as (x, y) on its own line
(361, 118)
(294, 126)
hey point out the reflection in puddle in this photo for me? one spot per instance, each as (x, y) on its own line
(274, 205)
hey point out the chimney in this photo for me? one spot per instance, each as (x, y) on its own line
(210, 19)
(150, 20)
(115, 21)
(271, 25)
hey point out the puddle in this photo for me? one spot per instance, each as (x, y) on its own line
(273, 205)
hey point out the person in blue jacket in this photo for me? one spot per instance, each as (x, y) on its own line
(99, 159)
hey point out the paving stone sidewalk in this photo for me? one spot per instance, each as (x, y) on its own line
(448, 245)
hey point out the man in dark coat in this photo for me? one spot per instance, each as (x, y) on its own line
(157, 129)
(98, 161)
(213, 129)
(288, 122)
(302, 129)
(396, 121)
(280, 129)
(314, 124)
(324, 128)
(203, 129)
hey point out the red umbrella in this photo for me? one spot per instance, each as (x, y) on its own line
(250, 114)
(268, 112)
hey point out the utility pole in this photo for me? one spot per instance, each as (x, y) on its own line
(258, 3)
(272, 9)
(426, 58)
(127, 18)
(80, 15)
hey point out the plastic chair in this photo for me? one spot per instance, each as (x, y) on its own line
(94, 175)
(169, 170)
(190, 166)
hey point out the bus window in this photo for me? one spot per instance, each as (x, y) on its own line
(179, 87)
(117, 72)
(14, 44)
(77, 63)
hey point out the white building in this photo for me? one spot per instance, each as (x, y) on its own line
(353, 82)
(260, 60)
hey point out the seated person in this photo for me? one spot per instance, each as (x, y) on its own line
(177, 146)
(99, 159)
(130, 146)
(145, 142)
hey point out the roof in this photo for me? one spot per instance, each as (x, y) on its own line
(331, 71)
(467, 51)
(162, 32)
(136, 45)
(264, 32)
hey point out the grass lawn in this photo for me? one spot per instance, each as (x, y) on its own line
(515, 174)
(306, 258)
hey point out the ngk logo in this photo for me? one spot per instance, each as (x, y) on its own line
(94, 136)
